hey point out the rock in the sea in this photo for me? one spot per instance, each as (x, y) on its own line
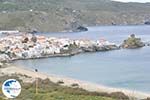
(81, 28)
(77, 27)
(147, 23)
(132, 42)
(148, 44)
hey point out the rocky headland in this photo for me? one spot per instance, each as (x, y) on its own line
(29, 46)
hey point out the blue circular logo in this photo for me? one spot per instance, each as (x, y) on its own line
(11, 88)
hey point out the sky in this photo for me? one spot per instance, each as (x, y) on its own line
(141, 1)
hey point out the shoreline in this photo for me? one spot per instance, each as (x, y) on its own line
(89, 86)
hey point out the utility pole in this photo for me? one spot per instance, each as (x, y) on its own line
(36, 84)
(0, 90)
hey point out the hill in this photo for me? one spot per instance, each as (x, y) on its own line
(60, 15)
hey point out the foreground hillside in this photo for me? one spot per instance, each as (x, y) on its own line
(60, 15)
(50, 91)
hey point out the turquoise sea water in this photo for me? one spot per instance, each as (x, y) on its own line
(123, 68)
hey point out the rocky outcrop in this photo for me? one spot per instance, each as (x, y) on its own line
(76, 27)
(147, 23)
(81, 28)
(148, 44)
(132, 42)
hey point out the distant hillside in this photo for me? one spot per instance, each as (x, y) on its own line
(60, 15)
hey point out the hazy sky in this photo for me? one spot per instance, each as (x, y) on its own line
(142, 1)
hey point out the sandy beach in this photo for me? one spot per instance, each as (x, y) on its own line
(11, 69)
